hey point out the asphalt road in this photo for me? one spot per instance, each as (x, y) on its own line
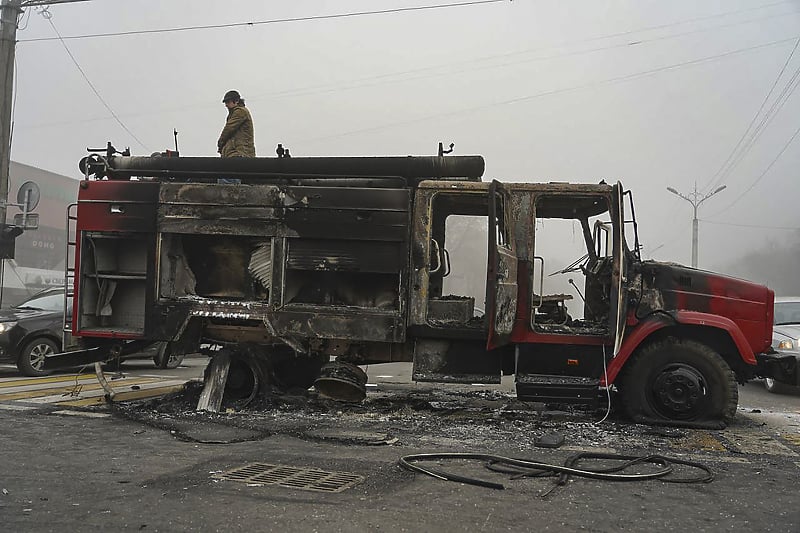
(156, 466)
(756, 396)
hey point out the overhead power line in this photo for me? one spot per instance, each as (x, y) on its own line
(658, 27)
(677, 234)
(91, 85)
(719, 175)
(607, 81)
(37, 3)
(272, 21)
(380, 12)
(765, 121)
(764, 173)
(791, 228)
(436, 70)
(426, 72)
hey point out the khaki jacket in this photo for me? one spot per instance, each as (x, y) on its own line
(236, 139)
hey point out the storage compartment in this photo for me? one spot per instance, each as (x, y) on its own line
(114, 270)
(332, 272)
(348, 289)
(228, 267)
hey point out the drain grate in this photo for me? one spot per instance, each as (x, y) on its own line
(292, 477)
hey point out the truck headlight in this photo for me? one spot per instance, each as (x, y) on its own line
(783, 345)
(6, 326)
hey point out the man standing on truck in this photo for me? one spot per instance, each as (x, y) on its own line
(236, 139)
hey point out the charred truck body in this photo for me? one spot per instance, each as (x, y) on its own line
(309, 259)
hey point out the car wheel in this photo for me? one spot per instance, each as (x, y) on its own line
(775, 387)
(164, 358)
(679, 380)
(31, 360)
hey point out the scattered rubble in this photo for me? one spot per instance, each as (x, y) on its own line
(424, 418)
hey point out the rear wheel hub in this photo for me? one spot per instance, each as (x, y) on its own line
(678, 391)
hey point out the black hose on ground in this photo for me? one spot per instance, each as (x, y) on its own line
(528, 468)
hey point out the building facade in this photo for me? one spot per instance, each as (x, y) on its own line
(40, 256)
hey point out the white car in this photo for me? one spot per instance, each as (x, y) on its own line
(785, 334)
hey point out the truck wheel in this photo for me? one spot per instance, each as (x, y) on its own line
(31, 360)
(679, 380)
(164, 358)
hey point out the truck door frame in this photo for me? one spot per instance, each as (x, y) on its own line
(501, 273)
(617, 302)
(617, 313)
(420, 246)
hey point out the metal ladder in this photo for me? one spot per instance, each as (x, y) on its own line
(69, 269)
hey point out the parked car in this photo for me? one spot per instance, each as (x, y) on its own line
(34, 329)
(785, 335)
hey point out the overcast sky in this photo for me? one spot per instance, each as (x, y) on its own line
(654, 93)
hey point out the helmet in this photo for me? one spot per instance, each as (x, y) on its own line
(231, 96)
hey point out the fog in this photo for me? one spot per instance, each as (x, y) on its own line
(648, 92)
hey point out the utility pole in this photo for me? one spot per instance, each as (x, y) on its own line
(10, 11)
(9, 15)
(695, 198)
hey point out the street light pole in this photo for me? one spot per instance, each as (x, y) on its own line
(695, 198)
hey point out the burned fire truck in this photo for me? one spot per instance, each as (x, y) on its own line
(292, 272)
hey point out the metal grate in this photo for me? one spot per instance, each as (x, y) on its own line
(292, 477)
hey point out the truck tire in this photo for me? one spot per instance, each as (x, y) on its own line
(32, 356)
(679, 380)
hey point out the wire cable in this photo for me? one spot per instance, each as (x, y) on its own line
(529, 468)
(608, 387)
(388, 11)
(749, 225)
(271, 21)
(552, 92)
(434, 71)
(714, 181)
(761, 176)
(766, 120)
(48, 16)
(677, 235)
(425, 72)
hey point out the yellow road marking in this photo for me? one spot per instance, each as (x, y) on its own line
(124, 396)
(753, 442)
(38, 393)
(87, 414)
(701, 441)
(792, 439)
(44, 379)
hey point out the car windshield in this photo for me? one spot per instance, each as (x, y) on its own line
(787, 313)
(53, 301)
